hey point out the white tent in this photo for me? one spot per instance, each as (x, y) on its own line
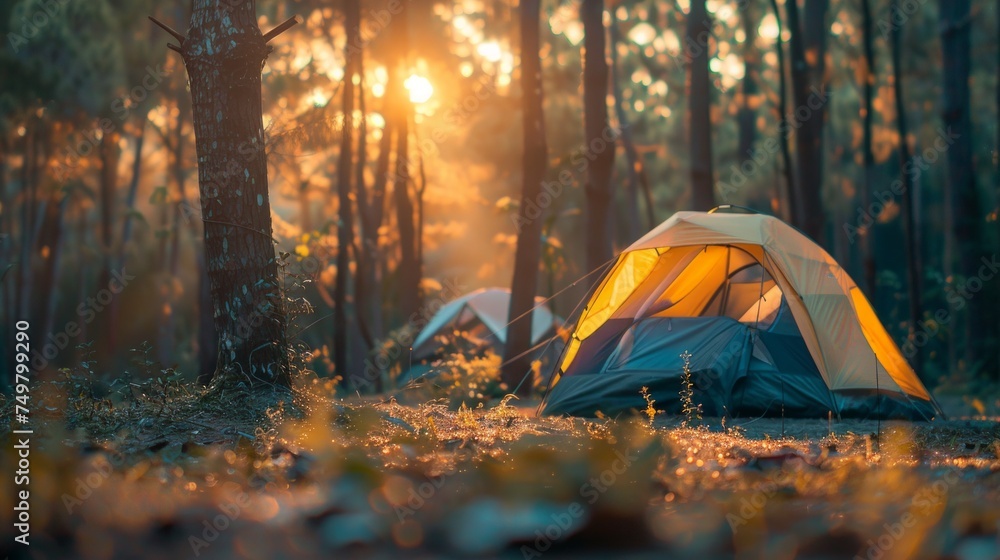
(482, 314)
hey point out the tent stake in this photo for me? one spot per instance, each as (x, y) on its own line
(878, 410)
(782, 407)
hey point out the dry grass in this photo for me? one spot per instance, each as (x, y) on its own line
(304, 473)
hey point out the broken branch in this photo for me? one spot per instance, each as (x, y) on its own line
(167, 28)
(282, 27)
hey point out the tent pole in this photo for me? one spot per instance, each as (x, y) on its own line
(760, 296)
(756, 327)
(727, 284)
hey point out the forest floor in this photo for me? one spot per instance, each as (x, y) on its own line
(172, 472)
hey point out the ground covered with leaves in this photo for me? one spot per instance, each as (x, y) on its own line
(162, 469)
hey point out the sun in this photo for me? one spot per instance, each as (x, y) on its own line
(420, 88)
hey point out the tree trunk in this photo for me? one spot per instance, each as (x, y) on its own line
(345, 223)
(6, 265)
(808, 43)
(600, 152)
(635, 169)
(371, 211)
(913, 272)
(170, 206)
(791, 202)
(421, 191)
(375, 216)
(170, 318)
(8, 270)
(50, 241)
(224, 54)
(361, 200)
(868, 233)
(109, 153)
(747, 116)
(207, 341)
(516, 370)
(372, 214)
(962, 204)
(133, 189)
(28, 197)
(699, 87)
(83, 287)
(408, 273)
(114, 310)
(305, 207)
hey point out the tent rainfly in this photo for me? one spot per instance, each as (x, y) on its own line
(483, 314)
(773, 325)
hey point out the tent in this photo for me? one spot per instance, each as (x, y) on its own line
(482, 314)
(773, 325)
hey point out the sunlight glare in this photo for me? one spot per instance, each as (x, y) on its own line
(490, 50)
(768, 27)
(574, 32)
(318, 97)
(420, 88)
(642, 33)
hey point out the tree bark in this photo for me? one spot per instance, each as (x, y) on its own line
(345, 222)
(962, 217)
(808, 43)
(913, 272)
(868, 233)
(224, 54)
(699, 87)
(600, 152)
(517, 367)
